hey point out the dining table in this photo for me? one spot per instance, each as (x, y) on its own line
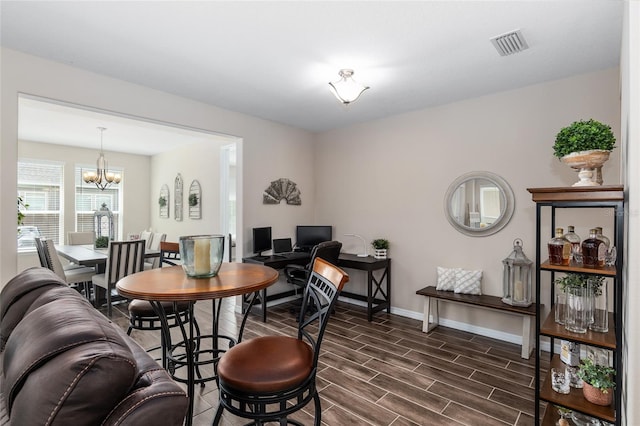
(88, 255)
(171, 284)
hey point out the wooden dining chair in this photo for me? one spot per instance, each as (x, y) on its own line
(267, 378)
(124, 258)
(142, 316)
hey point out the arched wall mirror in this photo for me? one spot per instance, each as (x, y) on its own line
(479, 203)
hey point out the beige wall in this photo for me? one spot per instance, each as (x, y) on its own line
(200, 162)
(268, 150)
(630, 91)
(136, 181)
(388, 178)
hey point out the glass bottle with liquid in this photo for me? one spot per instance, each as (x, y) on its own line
(594, 251)
(572, 237)
(604, 239)
(559, 249)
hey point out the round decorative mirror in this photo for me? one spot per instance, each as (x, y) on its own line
(479, 203)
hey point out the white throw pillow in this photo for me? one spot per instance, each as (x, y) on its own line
(468, 282)
(446, 278)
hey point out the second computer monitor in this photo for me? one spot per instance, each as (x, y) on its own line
(308, 236)
(261, 239)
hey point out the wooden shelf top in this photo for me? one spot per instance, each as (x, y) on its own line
(574, 400)
(578, 193)
(609, 271)
(604, 340)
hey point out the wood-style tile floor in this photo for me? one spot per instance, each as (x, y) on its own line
(388, 372)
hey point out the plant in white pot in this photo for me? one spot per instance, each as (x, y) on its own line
(585, 145)
(599, 382)
(380, 246)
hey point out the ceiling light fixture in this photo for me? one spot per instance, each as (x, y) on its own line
(346, 89)
(102, 177)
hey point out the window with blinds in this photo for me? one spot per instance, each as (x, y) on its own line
(90, 198)
(40, 186)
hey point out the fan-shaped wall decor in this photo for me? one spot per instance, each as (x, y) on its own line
(282, 189)
(164, 205)
(178, 195)
(195, 200)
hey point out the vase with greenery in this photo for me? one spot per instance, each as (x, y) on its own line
(162, 201)
(599, 382)
(380, 246)
(585, 145)
(578, 292)
(193, 200)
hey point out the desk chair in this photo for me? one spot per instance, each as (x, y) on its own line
(298, 275)
(77, 276)
(142, 316)
(125, 258)
(269, 377)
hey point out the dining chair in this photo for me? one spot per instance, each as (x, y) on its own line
(124, 258)
(42, 255)
(156, 239)
(269, 377)
(77, 276)
(142, 316)
(80, 238)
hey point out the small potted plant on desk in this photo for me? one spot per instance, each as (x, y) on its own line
(598, 382)
(380, 246)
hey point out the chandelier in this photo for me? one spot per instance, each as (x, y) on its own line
(347, 89)
(102, 177)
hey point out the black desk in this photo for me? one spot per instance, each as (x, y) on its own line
(378, 295)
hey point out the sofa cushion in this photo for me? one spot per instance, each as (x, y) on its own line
(18, 295)
(65, 363)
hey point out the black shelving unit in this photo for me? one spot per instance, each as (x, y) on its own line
(606, 197)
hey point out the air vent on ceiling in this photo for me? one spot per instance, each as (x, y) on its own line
(509, 43)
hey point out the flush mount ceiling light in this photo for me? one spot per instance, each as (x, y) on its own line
(102, 177)
(346, 89)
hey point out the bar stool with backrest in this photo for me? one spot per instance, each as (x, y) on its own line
(269, 377)
(124, 258)
(142, 316)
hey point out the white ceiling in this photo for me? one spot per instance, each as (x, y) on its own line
(274, 59)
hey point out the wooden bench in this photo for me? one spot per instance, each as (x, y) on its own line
(480, 301)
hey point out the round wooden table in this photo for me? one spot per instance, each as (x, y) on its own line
(172, 284)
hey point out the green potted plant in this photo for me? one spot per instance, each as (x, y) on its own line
(102, 242)
(380, 246)
(21, 206)
(162, 201)
(599, 381)
(574, 301)
(585, 145)
(193, 200)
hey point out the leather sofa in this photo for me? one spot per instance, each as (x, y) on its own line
(62, 362)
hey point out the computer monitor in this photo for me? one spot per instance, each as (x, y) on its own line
(261, 240)
(309, 236)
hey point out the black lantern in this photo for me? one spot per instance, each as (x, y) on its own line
(516, 280)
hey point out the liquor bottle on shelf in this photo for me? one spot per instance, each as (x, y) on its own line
(604, 239)
(594, 251)
(572, 237)
(559, 249)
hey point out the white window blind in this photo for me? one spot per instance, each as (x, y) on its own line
(90, 198)
(40, 186)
